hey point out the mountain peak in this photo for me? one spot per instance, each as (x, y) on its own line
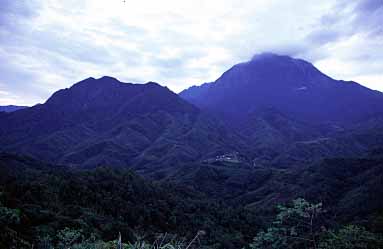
(108, 78)
(106, 82)
(107, 95)
(290, 85)
(92, 82)
(270, 69)
(152, 83)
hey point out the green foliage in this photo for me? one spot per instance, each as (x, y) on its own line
(300, 226)
(49, 206)
(59, 204)
(294, 227)
(67, 237)
(9, 216)
(9, 220)
(351, 237)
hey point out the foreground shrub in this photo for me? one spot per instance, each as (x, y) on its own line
(301, 226)
(351, 237)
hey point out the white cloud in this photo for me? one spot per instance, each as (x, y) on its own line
(51, 44)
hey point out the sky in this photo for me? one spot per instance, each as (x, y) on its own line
(46, 45)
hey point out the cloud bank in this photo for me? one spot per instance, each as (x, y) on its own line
(48, 44)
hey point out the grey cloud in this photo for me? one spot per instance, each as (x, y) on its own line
(330, 19)
(81, 49)
(369, 17)
(369, 6)
(16, 82)
(361, 16)
(129, 31)
(21, 8)
(167, 62)
(324, 36)
(347, 19)
(294, 49)
(14, 13)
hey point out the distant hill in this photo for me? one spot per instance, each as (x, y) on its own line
(11, 108)
(104, 121)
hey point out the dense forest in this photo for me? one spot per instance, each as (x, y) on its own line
(38, 200)
(46, 206)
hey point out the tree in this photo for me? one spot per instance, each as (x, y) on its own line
(297, 226)
(67, 237)
(351, 237)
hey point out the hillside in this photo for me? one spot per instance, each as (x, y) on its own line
(291, 112)
(228, 204)
(291, 86)
(107, 122)
(106, 201)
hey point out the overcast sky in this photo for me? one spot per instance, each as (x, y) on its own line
(46, 45)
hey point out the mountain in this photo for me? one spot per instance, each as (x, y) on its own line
(292, 86)
(104, 121)
(273, 111)
(11, 108)
(291, 112)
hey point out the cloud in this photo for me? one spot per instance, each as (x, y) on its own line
(348, 39)
(51, 44)
(21, 8)
(324, 36)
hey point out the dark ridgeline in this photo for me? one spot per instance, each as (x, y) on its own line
(11, 108)
(274, 110)
(106, 122)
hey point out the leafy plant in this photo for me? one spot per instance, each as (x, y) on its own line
(351, 237)
(67, 237)
(301, 226)
(294, 227)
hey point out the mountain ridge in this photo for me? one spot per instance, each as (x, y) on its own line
(105, 121)
(11, 108)
(290, 111)
(288, 84)
(258, 109)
